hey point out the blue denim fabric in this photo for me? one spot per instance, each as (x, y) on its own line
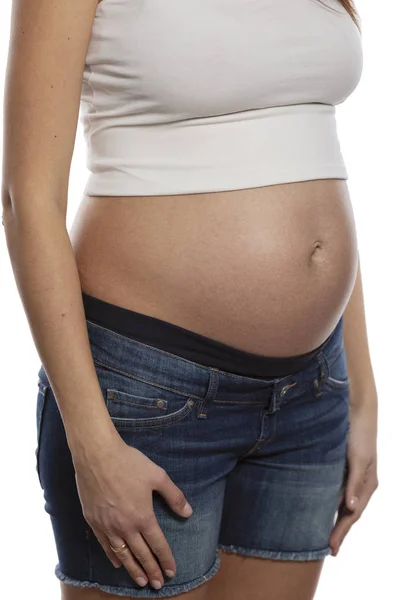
(261, 462)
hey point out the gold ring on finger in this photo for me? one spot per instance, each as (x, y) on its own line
(117, 549)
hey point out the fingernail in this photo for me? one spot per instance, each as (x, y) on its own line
(156, 584)
(141, 581)
(187, 509)
(353, 501)
(169, 573)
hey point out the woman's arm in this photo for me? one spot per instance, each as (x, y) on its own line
(47, 51)
(362, 382)
(362, 478)
(48, 47)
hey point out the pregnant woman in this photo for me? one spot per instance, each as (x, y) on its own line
(206, 407)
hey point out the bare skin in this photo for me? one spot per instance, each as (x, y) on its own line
(239, 578)
(69, 592)
(248, 578)
(272, 279)
(268, 270)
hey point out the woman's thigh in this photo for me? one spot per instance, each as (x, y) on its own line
(70, 592)
(261, 462)
(249, 578)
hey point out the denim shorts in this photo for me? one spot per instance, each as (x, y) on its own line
(261, 461)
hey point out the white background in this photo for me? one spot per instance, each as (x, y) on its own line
(369, 129)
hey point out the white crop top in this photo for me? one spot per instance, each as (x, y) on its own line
(190, 96)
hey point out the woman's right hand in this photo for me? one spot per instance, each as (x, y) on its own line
(115, 491)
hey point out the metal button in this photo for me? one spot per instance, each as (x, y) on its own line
(160, 403)
(284, 389)
(287, 387)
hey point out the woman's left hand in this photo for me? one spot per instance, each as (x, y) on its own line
(362, 480)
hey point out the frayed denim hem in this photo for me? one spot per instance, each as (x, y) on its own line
(147, 591)
(275, 555)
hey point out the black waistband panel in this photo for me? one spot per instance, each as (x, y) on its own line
(189, 344)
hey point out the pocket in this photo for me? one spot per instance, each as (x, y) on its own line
(40, 406)
(338, 377)
(129, 411)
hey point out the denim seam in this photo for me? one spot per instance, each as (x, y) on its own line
(112, 394)
(276, 554)
(133, 423)
(210, 394)
(117, 400)
(261, 441)
(338, 383)
(279, 378)
(335, 384)
(273, 432)
(247, 377)
(198, 365)
(154, 383)
(330, 360)
(343, 381)
(154, 348)
(146, 592)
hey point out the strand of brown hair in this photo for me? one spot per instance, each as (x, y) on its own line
(351, 9)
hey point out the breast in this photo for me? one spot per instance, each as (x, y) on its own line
(165, 60)
(196, 96)
(186, 97)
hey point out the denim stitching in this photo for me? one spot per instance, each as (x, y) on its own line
(140, 424)
(134, 342)
(329, 360)
(176, 356)
(132, 376)
(166, 591)
(271, 382)
(198, 365)
(275, 554)
(210, 394)
(336, 383)
(113, 395)
(271, 437)
(261, 441)
(247, 377)
(127, 403)
(341, 382)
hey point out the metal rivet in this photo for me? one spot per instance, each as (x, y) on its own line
(287, 387)
(191, 402)
(160, 403)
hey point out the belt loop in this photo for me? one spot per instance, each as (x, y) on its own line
(210, 395)
(276, 389)
(323, 373)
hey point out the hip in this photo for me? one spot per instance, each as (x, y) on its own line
(247, 453)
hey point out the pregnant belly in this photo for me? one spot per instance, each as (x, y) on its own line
(267, 270)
